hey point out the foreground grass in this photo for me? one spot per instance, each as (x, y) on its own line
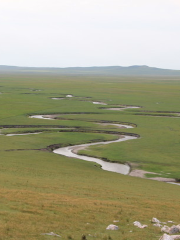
(50, 193)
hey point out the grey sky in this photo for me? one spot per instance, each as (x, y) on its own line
(66, 33)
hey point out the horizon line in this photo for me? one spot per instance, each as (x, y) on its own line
(102, 66)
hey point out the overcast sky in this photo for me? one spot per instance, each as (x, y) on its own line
(67, 33)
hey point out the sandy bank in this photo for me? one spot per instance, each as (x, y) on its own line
(121, 108)
(101, 103)
(117, 125)
(47, 117)
(20, 134)
(69, 95)
(57, 98)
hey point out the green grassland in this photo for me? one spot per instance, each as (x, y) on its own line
(43, 192)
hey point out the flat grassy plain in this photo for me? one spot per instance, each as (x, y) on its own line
(42, 192)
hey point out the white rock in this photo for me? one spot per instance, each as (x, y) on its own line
(139, 225)
(116, 221)
(165, 229)
(178, 226)
(176, 237)
(157, 225)
(174, 229)
(112, 227)
(155, 220)
(51, 234)
(166, 237)
(171, 230)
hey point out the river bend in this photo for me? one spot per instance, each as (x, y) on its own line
(108, 166)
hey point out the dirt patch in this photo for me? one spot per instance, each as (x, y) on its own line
(161, 179)
(141, 174)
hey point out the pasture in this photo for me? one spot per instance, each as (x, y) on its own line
(42, 192)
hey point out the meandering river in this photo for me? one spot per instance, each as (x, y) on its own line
(71, 151)
(108, 166)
